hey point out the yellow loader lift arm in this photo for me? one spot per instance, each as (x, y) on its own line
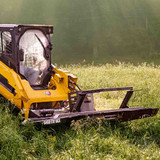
(43, 92)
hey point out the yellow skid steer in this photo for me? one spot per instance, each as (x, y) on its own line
(43, 92)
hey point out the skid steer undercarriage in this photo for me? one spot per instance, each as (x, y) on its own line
(43, 92)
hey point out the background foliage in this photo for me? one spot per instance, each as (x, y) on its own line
(93, 30)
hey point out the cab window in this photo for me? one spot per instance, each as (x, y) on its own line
(32, 46)
(0, 44)
(6, 42)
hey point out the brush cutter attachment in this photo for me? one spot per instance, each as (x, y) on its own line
(81, 105)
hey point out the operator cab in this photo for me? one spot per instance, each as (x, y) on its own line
(27, 50)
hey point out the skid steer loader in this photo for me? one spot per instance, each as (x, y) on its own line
(44, 93)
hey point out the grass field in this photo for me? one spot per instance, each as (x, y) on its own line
(139, 139)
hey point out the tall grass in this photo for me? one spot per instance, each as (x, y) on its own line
(88, 139)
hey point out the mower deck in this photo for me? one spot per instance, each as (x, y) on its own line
(81, 106)
(122, 114)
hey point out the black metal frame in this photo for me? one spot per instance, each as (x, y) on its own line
(76, 101)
